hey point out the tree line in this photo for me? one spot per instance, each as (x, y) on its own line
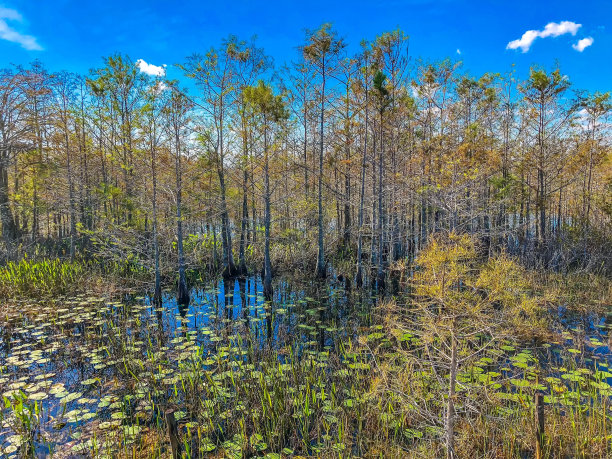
(359, 158)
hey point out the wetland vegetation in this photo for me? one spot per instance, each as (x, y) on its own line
(347, 256)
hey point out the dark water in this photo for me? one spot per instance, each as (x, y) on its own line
(299, 313)
(62, 346)
(64, 363)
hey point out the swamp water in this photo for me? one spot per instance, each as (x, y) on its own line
(85, 364)
(86, 376)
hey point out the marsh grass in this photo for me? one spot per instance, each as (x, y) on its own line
(49, 278)
(38, 278)
(496, 401)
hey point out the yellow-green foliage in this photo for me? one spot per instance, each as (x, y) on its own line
(446, 272)
(452, 278)
(507, 284)
(39, 278)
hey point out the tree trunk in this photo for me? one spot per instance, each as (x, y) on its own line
(9, 228)
(226, 233)
(157, 293)
(359, 275)
(182, 295)
(244, 226)
(70, 195)
(321, 271)
(267, 281)
(381, 225)
(450, 407)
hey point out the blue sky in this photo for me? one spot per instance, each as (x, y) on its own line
(74, 34)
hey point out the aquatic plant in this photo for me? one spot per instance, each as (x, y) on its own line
(43, 277)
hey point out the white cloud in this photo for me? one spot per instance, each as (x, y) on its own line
(150, 69)
(458, 51)
(525, 41)
(159, 87)
(7, 13)
(583, 44)
(10, 34)
(583, 118)
(585, 121)
(552, 29)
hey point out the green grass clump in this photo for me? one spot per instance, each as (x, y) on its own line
(40, 278)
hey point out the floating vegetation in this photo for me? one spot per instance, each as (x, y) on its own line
(87, 375)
